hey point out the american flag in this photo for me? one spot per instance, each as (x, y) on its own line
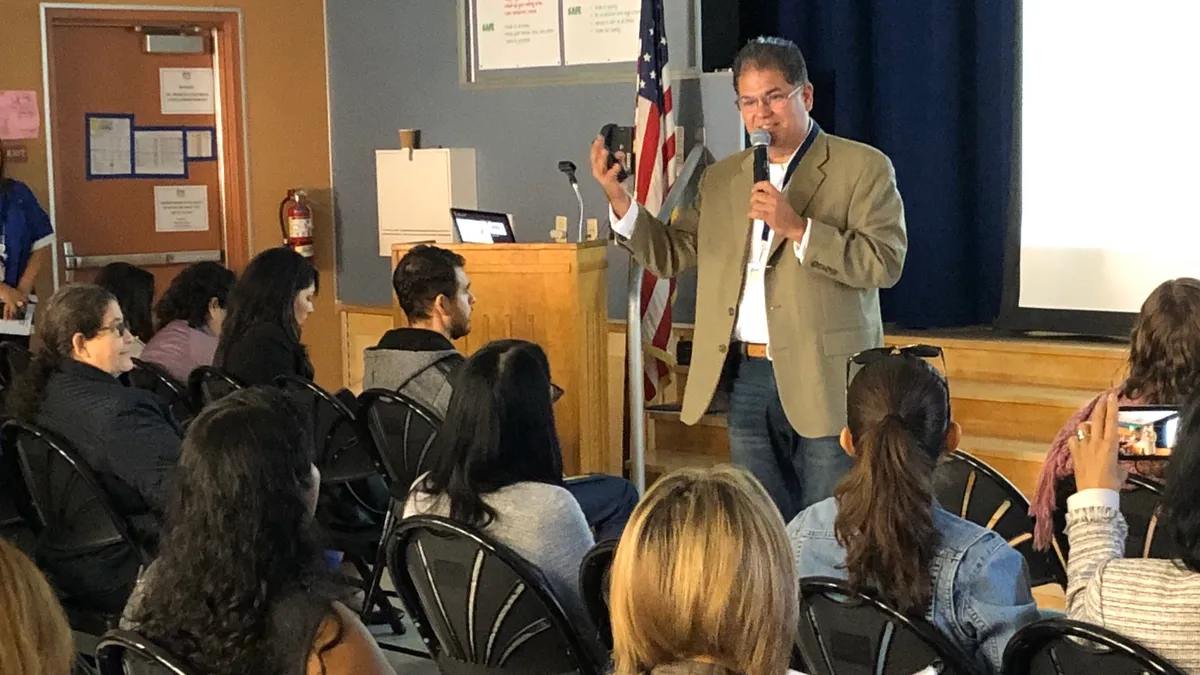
(654, 145)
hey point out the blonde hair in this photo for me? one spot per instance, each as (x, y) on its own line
(36, 639)
(704, 572)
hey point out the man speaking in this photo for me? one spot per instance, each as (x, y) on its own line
(789, 272)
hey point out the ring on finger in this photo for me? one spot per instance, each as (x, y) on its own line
(1084, 431)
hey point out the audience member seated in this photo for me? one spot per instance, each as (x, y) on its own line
(1154, 602)
(883, 532)
(126, 435)
(497, 466)
(260, 338)
(703, 582)
(36, 639)
(133, 288)
(1164, 369)
(435, 294)
(240, 585)
(189, 318)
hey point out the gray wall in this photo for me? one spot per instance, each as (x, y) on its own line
(395, 64)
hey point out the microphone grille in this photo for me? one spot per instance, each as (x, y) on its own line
(760, 137)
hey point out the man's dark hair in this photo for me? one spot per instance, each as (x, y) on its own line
(771, 53)
(424, 273)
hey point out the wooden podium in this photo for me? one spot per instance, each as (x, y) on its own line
(557, 296)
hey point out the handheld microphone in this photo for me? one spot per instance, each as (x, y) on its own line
(568, 167)
(760, 139)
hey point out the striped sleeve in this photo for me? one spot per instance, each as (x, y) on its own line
(1097, 535)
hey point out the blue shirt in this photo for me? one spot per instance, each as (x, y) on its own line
(25, 227)
(981, 593)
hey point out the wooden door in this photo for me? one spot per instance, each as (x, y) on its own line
(176, 195)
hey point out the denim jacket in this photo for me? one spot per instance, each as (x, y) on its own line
(981, 592)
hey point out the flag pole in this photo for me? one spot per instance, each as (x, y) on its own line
(635, 362)
(635, 377)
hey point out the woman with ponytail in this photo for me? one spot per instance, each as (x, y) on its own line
(126, 435)
(882, 530)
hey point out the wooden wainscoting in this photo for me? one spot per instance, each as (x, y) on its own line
(361, 327)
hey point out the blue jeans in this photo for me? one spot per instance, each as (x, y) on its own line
(796, 471)
(606, 501)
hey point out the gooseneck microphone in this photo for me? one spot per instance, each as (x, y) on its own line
(760, 139)
(568, 167)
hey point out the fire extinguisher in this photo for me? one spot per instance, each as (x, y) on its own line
(296, 223)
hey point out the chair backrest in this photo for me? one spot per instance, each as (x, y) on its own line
(59, 496)
(967, 487)
(153, 378)
(1054, 647)
(341, 455)
(122, 652)
(594, 584)
(845, 632)
(478, 606)
(207, 384)
(404, 431)
(1139, 504)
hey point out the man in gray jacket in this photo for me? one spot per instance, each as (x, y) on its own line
(435, 294)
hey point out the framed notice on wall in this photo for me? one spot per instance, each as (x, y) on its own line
(522, 42)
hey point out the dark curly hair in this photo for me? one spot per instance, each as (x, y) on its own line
(76, 308)
(134, 289)
(238, 537)
(424, 273)
(1164, 345)
(188, 295)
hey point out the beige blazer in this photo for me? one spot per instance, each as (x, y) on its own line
(819, 311)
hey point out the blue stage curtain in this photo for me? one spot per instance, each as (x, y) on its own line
(930, 83)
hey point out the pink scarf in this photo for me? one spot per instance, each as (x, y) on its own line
(1058, 466)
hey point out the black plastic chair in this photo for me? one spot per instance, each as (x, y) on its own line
(1054, 647)
(153, 378)
(347, 459)
(402, 432)
(64, 506)
(1140, 500)
(594, 584)
(122, 652)
(1139, 504)
(967, 487)
(340, 439)
(479, 607)
(843, 632)
(207, 384)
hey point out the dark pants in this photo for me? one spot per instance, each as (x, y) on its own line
(606, 501)
(796, 471)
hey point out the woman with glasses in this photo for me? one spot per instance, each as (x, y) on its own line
(882, 530)
(126, 435)
(497, 466)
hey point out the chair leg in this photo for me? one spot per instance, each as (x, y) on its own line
(374, 594)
